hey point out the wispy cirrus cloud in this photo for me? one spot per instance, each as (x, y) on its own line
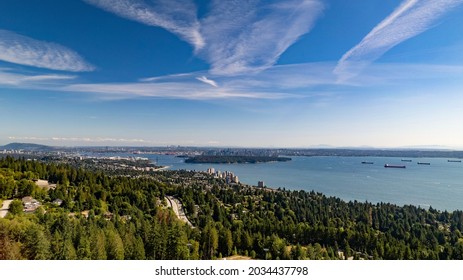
(235, 37)
(249, 36)
(411, 18)
(295, 81)
(172, 90)
(205, 80)
(405, 75)
(165, 78)
(308, 80)
(19, 49)
(278, 82)
(10, 78)
(176, 16)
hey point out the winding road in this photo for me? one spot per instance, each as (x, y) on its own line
(177, 206)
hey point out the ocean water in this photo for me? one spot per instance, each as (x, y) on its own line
(439, 184)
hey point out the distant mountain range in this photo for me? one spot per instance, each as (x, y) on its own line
(27, 147)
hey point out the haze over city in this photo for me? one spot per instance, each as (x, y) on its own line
(296, 73)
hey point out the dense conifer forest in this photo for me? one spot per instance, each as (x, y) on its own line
(104, 215)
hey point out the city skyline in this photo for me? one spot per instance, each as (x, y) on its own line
(222, 73)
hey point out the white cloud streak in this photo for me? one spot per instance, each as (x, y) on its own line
(278, 82)
(18, 49)
(310, 80)
(249, 36)
(236, 37)
(166, 77)
(171, 90)
(275, 83)
(411, 18)
(176, 16)
(205, 80)
(405, 75)
(9, 78)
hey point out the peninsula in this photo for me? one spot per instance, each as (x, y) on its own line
(234, 159)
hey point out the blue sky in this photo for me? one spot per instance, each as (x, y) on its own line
(293, 73)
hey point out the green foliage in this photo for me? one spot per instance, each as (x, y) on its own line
(16, 207)
(210, 241)
(225, 242)
(114, 246)
(9, 249)
(128, 220)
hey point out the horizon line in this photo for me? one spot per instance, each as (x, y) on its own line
(312, 147)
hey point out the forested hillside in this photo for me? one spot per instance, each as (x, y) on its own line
(108, 216)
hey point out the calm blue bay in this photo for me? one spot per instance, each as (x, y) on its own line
(439, 184)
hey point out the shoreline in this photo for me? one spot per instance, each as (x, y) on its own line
(358, 181)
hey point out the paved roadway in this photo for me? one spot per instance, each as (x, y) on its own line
(177, 206)
(5, 207)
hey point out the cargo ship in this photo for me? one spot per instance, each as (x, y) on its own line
(453, 160)
(394, 166)
(424, 163)
(367, 162)
(407, 160)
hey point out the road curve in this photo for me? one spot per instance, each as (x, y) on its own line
(177, 206)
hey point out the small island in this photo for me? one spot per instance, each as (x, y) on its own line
(234, 159)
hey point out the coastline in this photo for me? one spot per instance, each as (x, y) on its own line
(440, 186)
